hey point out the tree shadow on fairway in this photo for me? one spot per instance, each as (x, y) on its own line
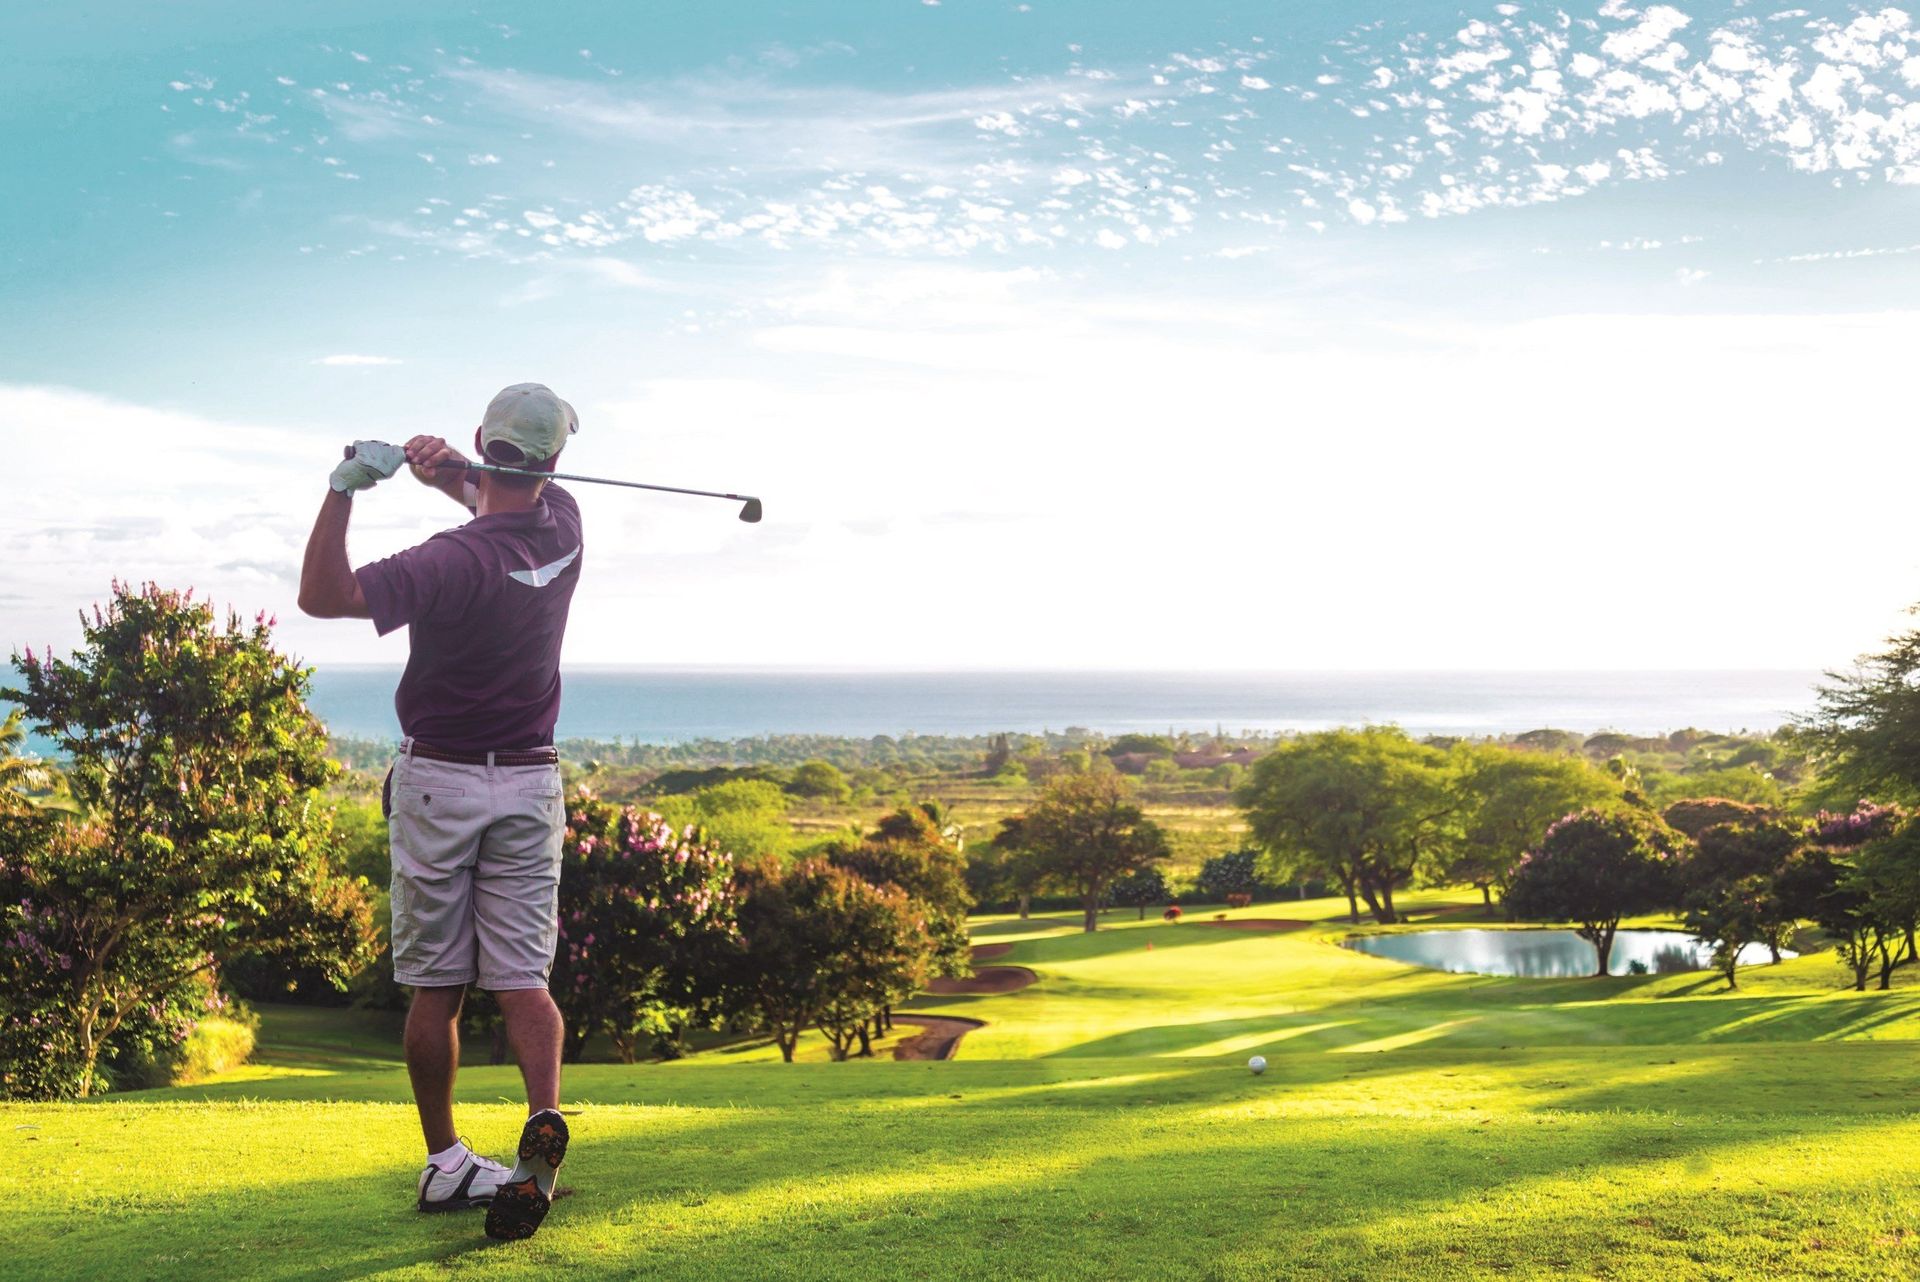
(1067, 1183)
(1383, 1020)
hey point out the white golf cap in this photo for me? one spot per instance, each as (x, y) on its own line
(526, 424)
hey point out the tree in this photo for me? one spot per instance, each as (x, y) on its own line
(1694, 815)
(646, 917)
(1007, 868)
(1593, 869)
(909, 850)
(819, 946)
(1860, 882)
(191, 752)
(1865, 732)
(1730, 889)
(1887, 871)
(1819, 884)
(999, 755)
(1141, 888)
(747, 817)
(1235, 873)
(819, 779)
(1739, 783)
(1508, 798)
(1153, 745)
(1087, 832)
(1367, 809)
(18, 775)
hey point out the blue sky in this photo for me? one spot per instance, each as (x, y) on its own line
(1220, 335)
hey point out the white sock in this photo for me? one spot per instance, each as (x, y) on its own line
(449, 1159)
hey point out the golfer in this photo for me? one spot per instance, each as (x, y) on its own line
(473, 804)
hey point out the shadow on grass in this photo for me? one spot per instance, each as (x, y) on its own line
(1037, 1169)
(1443, 1018)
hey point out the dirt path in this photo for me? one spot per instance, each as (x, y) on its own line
(939, 1035)
(1257, 923)
(985, 979)
(987, 952)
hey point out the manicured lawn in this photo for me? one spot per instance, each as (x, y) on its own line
(1411, 1125)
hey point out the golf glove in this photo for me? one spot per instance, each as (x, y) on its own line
(372, 463)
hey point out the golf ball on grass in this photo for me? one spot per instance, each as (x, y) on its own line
(1258, 1064)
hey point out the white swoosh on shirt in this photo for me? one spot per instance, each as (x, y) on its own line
(539, 578)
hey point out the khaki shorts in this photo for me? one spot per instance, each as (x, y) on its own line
(476, 872)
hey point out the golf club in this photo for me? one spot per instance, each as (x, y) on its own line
(749, 506)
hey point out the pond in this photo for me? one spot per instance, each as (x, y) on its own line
(1547, 954)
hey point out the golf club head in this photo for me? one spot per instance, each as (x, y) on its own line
(750, 513)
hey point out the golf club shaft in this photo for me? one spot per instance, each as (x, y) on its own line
(590, 480)
(593, 480)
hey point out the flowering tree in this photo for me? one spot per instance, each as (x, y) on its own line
(1593, 869)
(1859, 879)
(195, 763)
(646, 913)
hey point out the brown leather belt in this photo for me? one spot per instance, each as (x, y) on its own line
(519, 757)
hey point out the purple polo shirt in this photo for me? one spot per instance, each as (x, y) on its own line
(487, 604)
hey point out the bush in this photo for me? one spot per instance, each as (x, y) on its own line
(1232, 874)
(164, 1053)
(217, 1044)
(819, 779)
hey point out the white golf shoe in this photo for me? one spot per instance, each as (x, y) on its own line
(470, 1184)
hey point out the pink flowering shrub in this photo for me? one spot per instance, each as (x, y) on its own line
(646, 912)
(1857, 827)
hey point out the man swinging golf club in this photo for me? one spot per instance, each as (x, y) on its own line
(473, 801)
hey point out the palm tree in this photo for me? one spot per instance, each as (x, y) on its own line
(19, 775)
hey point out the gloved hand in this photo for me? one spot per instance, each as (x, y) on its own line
(372, 462)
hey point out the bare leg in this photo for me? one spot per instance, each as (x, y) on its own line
(433, 1057)
(535, 1030)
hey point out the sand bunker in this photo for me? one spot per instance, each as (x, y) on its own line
(985, 979)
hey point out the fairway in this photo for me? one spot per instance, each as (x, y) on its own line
(1411, 1124)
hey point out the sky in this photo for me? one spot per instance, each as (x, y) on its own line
(1054, 334)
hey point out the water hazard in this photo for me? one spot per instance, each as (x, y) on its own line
(1548, 954)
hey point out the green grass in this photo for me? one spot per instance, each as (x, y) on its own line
(1412, 1125)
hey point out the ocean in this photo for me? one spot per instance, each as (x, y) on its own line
(658, 705)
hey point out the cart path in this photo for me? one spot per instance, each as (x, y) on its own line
(938, 1038)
